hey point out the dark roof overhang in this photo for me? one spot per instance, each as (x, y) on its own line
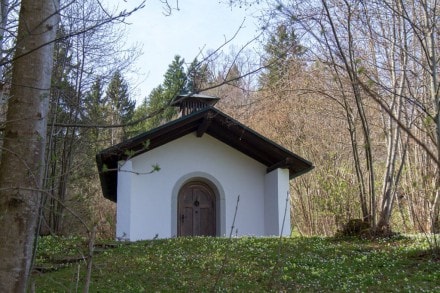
(210, 121)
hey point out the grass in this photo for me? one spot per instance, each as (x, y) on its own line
(242, 265)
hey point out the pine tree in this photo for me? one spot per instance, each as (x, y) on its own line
(160, 97)
(175, 78)
(176, 81)
(95, 113)
(281, 49)
(157, 106)
(197, 77)
(139, 113)
(233, 76)
(120, 106)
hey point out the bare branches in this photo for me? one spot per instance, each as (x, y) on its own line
(120, 16)
(375, 97)
(168, 8)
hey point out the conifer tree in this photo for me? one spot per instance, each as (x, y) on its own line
(176, 81)
(95, 113)
(159, 100)
(281, 49)
(197, 77)
(120, 106)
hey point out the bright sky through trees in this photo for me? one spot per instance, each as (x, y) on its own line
(196, 26)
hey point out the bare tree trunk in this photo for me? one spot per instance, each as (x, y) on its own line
(392, 130)
(435, 227)
(24, 142)
(349, 64)
(357, 162)
(92, 237)
(427, 34)
(4, 9)
(435, 96)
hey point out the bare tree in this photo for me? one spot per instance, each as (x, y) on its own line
(382, 52)
(79, 61)
(25, 131)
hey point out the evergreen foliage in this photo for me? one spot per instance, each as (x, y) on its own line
(121, 105)
(197, 76)
(94, 111)
(233, 76)
(176, 81)
(282, 48)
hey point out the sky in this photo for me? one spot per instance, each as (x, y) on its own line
(197, 25)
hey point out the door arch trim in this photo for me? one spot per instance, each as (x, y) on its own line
(219, 193)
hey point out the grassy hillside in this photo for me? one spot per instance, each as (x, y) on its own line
(240, 265)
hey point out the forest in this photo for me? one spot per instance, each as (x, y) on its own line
(350, 85)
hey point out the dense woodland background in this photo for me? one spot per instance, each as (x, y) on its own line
(350, 85)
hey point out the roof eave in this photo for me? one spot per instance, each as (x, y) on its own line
(208, 120)
(293, 175)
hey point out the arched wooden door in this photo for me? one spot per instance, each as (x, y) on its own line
(196, 210)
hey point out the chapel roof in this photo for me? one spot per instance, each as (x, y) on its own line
(210, 121)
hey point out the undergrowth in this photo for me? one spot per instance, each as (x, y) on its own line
(253, 265)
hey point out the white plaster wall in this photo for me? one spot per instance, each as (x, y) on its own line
(123, 214)
(151, 203)
(276, 203)
(284, 201)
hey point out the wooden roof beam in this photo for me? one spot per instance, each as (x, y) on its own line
(285, 163)
(203, 127)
